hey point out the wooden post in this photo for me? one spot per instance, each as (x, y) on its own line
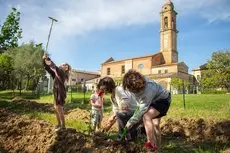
(183, 93)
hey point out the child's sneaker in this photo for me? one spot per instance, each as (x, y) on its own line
(149, 146)
(57, 127)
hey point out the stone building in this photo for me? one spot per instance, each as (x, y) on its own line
(76, 77)
(79, 76)
(161, 66)
(197, 73)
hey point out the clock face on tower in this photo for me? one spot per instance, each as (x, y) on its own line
(165, 40)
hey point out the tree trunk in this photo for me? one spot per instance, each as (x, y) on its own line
(20, 86)
(27, 83)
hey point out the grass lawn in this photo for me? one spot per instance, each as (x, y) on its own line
(207, 106)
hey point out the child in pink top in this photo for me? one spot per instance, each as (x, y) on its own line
(97, 101)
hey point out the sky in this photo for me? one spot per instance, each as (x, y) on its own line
(88, 32)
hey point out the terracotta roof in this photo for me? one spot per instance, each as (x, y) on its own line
(109, 60)
(129, 58)
(158, 59)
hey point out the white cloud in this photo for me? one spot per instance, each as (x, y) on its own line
(77, 17)
(212, 10)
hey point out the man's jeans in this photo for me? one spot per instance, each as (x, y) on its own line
(122, 119)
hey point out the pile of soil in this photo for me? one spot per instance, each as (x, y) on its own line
(78, 114)
(198, 130)
(33, 105)
(19, 133)
(22, 134)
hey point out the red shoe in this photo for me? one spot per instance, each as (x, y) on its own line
(148, 144)
(152, 148)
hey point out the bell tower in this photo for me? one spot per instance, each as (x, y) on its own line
(168, 33)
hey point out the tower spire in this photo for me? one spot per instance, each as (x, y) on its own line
(168, 33)
(168, 1)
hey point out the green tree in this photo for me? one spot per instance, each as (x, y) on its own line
(28, 67)
(177, 83)
(10, 30)
(6, 68)
(217, 74)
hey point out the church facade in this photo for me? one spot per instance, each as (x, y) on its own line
(161, 66)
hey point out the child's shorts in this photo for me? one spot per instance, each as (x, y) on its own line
(162, 105)
(96, 117)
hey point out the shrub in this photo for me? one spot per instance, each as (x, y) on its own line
(213, 92)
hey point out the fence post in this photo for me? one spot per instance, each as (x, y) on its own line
(183, 93)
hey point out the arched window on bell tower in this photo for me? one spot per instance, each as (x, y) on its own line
(166, 23)
(173, 24)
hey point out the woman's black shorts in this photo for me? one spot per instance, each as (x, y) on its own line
(162, 105)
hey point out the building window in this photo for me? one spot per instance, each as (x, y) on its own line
(108, 71)
(173, 24)
(166, 71)
(122, 69)
(166, 23)
(159, 71)
(140, 67)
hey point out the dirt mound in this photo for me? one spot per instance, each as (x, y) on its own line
(195, 130)
(78, 114)
(19, 133)
(33, 105)
(68, 140)
(101, 143)
(22, 134)
(198, 130)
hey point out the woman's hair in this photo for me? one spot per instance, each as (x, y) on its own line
(67, 72)
(133, 81)
(106, 83)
